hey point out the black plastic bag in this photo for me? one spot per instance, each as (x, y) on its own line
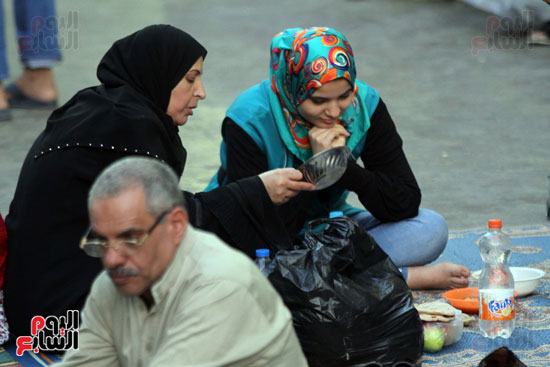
(349, 302)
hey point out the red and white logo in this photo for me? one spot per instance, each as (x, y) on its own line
(51, 334)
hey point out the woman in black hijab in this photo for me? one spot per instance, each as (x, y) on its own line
(150, 83)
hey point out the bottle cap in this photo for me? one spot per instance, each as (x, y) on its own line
(495, 223)
(335, 214)
(262, 252)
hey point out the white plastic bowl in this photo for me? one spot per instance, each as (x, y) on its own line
(526, 279)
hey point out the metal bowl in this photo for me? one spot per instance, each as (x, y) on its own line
(326, 167)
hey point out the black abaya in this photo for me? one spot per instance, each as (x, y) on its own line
(47, 274)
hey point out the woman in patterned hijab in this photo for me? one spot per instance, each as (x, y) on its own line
(312, 102)
(302, 61)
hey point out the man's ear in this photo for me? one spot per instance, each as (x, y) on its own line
(178, 223)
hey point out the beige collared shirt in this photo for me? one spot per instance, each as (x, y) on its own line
(213, 307)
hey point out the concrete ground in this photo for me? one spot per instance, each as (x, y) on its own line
(475, 122)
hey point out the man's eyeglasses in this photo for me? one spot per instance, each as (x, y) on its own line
(96, 248)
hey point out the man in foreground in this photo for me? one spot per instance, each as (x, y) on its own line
(172, 295)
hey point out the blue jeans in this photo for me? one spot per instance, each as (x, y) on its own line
(410, 242)
(36, 34)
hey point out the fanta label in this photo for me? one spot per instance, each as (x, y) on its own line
(497, 305)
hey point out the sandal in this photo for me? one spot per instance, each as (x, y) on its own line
(18, 99)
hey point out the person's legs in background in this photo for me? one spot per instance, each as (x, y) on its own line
(36, 25)
(4, 73)
(529, 16)
(413, 243)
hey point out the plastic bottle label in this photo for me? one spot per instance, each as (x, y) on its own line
(497, 305)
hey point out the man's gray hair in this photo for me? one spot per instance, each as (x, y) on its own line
(159, 182)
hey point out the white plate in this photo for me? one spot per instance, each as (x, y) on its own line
(526, 279)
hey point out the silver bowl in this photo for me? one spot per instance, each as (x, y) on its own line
(326, 167)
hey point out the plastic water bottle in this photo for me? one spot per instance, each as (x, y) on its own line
(496, 284)
(262, 258)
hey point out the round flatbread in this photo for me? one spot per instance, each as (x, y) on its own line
(435, 318)
(436, 308)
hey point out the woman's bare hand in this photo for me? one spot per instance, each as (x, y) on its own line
(322, 139)
(284, 183)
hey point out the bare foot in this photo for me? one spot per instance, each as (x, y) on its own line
(38, 84)
(444, 275)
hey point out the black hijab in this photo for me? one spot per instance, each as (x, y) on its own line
(127, 112)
